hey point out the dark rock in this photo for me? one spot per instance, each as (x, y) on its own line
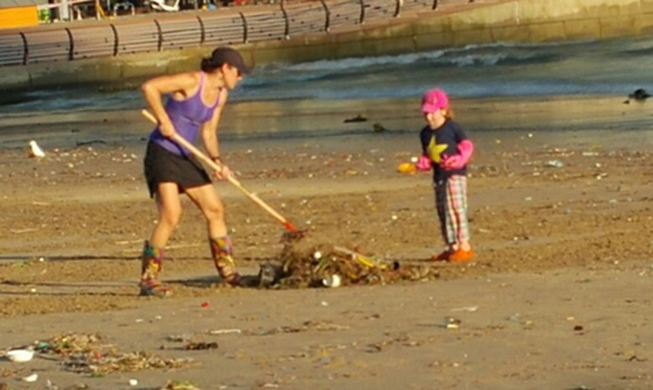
(639, 95)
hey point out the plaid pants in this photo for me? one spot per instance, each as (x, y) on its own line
(451, 203)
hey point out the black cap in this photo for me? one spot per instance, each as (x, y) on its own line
(227, 55)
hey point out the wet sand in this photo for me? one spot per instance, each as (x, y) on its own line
(558, 248)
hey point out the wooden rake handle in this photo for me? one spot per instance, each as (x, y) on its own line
(202, 157)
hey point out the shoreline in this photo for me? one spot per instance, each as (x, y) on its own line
(304, 119)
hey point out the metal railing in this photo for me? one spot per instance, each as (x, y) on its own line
(208, 29)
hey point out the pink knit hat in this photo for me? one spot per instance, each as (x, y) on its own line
(433, 100)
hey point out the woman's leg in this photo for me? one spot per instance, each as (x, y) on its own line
(208, 201)
(167, 199)
(169, 205)
(206, 198)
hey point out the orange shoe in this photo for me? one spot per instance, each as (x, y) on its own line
(444, 256)
(461, 255)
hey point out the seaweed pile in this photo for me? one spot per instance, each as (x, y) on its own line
(334, 266)
(87, 354)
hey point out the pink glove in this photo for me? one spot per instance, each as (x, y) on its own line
(458, 161)
(424, 163)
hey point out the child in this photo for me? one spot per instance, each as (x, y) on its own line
(193, 108)
(446, 149)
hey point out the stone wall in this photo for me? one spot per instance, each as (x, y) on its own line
(519, 21)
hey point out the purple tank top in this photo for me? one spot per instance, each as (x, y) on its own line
(187, 116)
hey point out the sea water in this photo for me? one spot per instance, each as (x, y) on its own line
(508, 71)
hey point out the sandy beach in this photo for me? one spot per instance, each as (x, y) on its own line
(558, 296)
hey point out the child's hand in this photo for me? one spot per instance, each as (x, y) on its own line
(460, 159)
(424, 163)
(450, 163)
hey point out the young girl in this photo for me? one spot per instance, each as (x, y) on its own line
(194, 106)
(446, 149)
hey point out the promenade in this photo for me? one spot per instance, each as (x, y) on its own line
(126, 50)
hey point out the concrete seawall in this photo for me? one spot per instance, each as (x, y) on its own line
(516, 21)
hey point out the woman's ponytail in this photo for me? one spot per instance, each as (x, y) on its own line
(207, 65)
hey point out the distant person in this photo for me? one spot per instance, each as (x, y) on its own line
(446, 150)
(194, 106)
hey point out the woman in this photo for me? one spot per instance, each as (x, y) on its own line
(194, 106)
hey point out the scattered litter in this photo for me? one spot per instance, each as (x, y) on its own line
(179, 385)
(332, 281)
(179, 338)
(378, 128)
(133, 382)
(320, 326)
(470, 309)
(224, 331)
(199, 346)
(20, 355)
(31, 378)
(88, 354)
(357, 118)
(451, 323)
(555, 164)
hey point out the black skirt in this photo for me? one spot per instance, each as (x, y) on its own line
(163, 166)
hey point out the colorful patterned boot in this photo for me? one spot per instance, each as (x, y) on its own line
(222, 251)
(150, 270)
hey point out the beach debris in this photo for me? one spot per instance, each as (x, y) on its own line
(20, 355)
(95, 141)
(267, 275)
(179, 385)
(297, 268)
(332, 281)
(200, 346)
(179, 338)
(224, 331)
(320, 326)
(31, 378)
(88, 354)
(133, 382)
(555, 164)
(35, 151)
(470, 309)
(451, 323)
(357, 118)
(378, 128)
(407, 168)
